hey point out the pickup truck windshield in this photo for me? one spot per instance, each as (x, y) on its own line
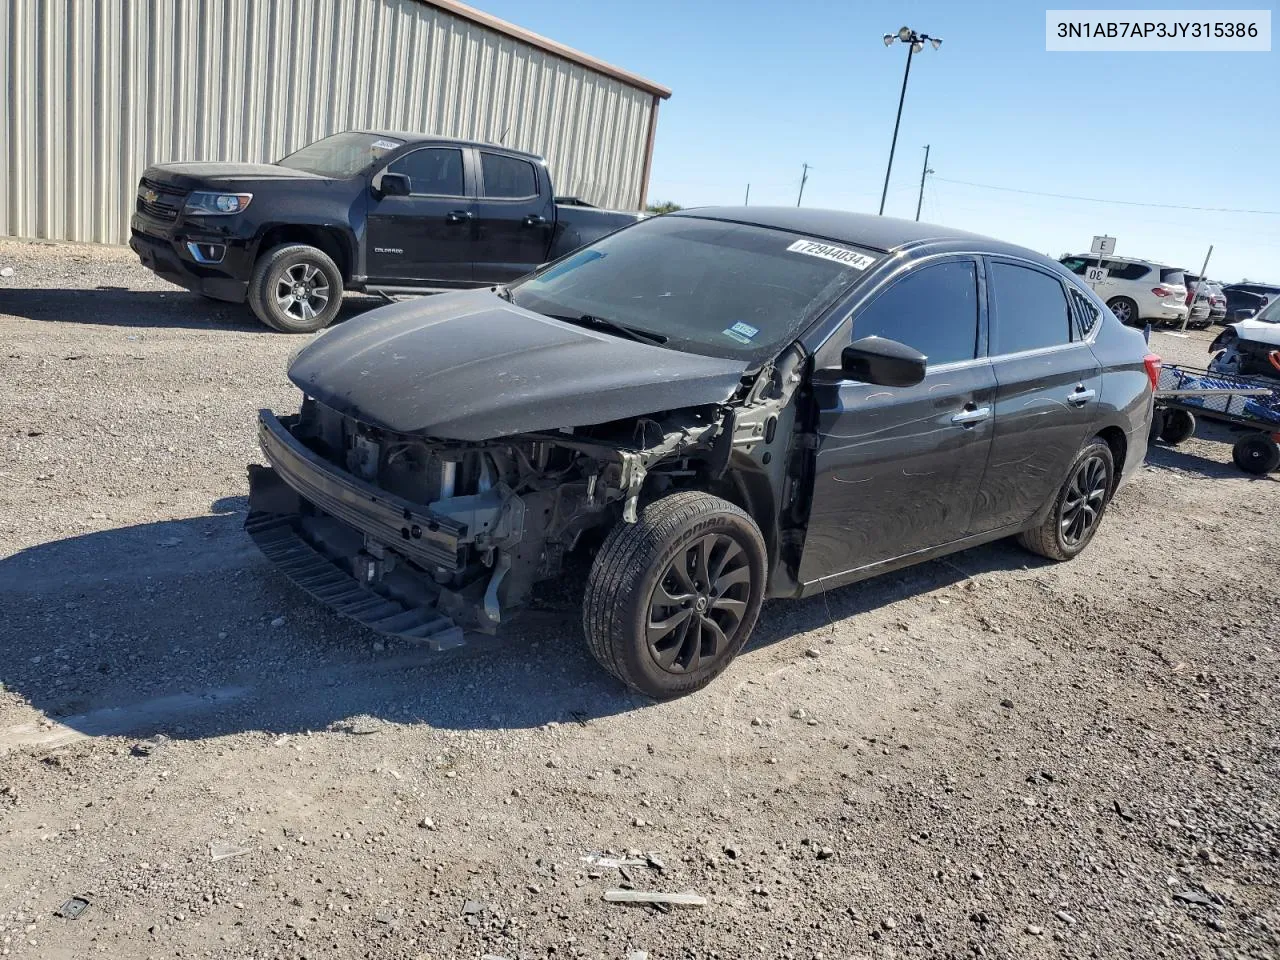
(340, 156)
(710, 287)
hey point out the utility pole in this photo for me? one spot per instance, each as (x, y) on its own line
(1191, 301)
(804, 176)
(747, 201)
(924, 172)
(915, 43)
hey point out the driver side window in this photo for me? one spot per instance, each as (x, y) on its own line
(933, 309)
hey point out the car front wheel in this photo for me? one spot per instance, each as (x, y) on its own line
(672, 598)
(1126, 310)
(295, 288)
(1078, 508)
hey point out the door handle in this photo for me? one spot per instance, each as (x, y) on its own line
(1081, 396)
(971, 415)
(458, 216)
(534, 220)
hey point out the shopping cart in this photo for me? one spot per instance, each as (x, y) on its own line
(1250, 405)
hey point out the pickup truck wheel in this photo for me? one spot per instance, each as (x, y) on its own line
(295, 288)
(1078, 508)
(672, 598)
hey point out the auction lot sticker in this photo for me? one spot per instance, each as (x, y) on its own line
(829, 251)
(1157, 31)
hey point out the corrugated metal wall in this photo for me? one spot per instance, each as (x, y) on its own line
(97, 89)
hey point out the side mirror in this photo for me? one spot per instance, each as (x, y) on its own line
(1246, 313)
(393, 185)
(884, 362)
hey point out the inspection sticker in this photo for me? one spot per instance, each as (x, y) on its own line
(827, 251)
(384, 145)
(742, 332)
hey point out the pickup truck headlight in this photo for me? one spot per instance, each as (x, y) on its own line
(217, 204)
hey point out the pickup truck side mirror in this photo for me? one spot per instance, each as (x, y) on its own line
(393, 185)
(1246, 313)
(884, 362)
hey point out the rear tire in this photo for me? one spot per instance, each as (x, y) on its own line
(1126, 310)
(1079, 506)
(295, 288)
(1179, 425)
(1257, 454)
(693, 564)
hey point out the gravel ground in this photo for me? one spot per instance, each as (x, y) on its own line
(983, 756)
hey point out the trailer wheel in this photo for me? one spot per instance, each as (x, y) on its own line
(1179, 425)
(672, 598)
(1257, 454)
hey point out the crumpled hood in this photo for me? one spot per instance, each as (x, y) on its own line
(1257, 331)
(193, 175)
(470, 366)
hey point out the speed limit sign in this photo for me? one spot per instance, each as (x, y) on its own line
(1095, 274)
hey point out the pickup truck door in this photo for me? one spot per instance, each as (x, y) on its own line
(897, 469)
(427, 237)
(515, 217)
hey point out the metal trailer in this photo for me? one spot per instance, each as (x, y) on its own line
(1250, 405)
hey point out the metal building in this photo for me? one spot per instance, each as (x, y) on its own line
(95, 90)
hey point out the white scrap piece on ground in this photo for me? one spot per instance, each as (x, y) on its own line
(686, 899)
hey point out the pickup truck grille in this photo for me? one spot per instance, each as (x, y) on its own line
(159, 201)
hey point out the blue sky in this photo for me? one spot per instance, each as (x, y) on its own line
(761, 87)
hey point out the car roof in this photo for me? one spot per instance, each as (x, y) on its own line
(886, 234)
(1114, 258)
(410, 136)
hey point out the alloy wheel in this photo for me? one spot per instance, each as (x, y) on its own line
(1085, 498)
(1122, 311)
(302, 291)
(698, 605)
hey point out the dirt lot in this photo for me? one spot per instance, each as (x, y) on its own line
(984, 756)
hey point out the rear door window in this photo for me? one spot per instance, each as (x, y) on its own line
(1124, 270)
(1029, 309)
(934, 309)
(508, 178)
(434, 171)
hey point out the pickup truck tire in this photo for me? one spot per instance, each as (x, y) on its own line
(672, 598)
(295, 288)
(1079, 506)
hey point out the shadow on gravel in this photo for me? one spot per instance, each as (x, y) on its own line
(181, 628)
(118, 307)
(1218, 467)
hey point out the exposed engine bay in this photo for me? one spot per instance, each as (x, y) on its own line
(429, 538)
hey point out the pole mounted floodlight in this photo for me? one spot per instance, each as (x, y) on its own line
(915, 43)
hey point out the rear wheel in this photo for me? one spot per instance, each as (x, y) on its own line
(672, 598)
(1257, 454)
(1078, 508)
(295, 288)
(1126, 310)
(1179, 425)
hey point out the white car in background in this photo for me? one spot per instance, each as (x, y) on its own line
(1137, 291)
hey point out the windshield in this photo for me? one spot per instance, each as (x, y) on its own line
(342, 155)
(706, 286)
(1271, 312)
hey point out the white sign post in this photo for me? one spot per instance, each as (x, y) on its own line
(1103, 246)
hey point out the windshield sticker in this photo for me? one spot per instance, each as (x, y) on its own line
(385, 145)
(827, 251)
(577, 260)
(742, 332)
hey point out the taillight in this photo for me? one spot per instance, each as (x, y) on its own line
(1160, 291)
(1152, 362)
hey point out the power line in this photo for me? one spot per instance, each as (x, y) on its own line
(1127, 203)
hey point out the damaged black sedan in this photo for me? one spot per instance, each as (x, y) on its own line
(708, 408)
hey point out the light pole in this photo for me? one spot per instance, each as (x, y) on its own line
(924, 172)
(915, 43)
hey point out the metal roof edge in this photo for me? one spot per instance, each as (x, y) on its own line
(560, 50)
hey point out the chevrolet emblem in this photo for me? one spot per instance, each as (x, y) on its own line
(149, 195)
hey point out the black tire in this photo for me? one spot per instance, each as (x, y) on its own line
(1087, 488)
(1257, 454)
(1157, 425)
(1179, 425)
(1126, 310)
(682, 531)
(316, 292)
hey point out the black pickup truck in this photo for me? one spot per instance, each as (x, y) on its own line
(362, 210)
